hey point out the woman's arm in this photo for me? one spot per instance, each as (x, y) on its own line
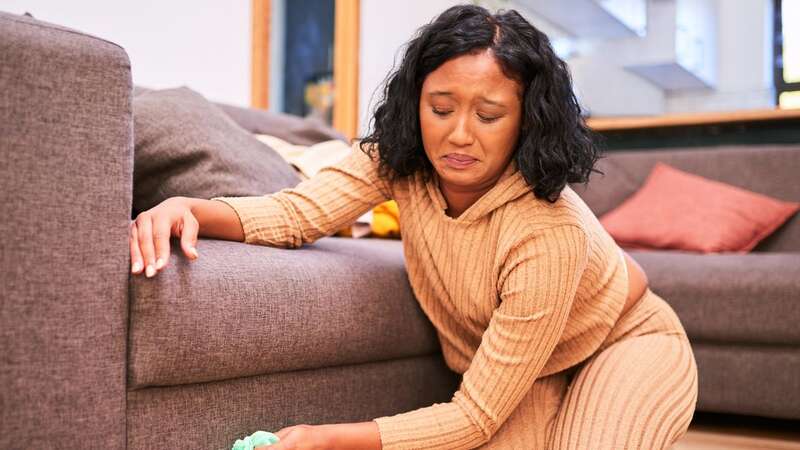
(320, 206)
(354, 436)
(339, 436)
(216, 219)
(182, 217)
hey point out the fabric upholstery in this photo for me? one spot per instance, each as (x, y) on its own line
(750, 298)
(677, 210)
(66, 160)
(638, 391)
(244, 310)
(213, 415)
(186, 146)
(729, 374)
(293, 129)
(139, 90)
(766, 169)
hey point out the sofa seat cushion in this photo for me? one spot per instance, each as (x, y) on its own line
(245, 310)
(750, 298)
(756, 380)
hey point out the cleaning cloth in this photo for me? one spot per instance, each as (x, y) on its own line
(254, 440)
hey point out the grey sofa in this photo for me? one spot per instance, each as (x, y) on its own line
(251, 337)
(741, 312)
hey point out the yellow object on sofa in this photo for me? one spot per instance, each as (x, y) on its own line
(386, 220)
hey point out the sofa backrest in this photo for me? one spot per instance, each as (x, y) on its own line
(772, 170)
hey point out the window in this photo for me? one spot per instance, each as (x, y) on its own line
(787, 53)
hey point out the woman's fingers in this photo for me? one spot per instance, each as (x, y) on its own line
(282, 432)
(161, 235)
(188, 230)
(145, 230)
(136, 255)
(151, 233)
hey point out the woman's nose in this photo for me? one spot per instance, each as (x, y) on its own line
(461, 135)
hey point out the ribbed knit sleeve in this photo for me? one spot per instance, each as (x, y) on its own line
(537, 285)
(333, 198)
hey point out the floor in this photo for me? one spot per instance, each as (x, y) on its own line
(730, 432)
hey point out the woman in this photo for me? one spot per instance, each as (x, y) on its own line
(560, 341)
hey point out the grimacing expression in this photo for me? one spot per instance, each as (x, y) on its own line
(470, 114)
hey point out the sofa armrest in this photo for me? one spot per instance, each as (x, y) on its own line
(66, 163)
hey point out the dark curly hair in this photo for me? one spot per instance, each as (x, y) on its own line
(555, 147)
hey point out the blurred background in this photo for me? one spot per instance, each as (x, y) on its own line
(627, 57)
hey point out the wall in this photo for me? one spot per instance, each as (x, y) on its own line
(203, 44)
(744, 65)
(743, 76)
(385, 27)
(741, 72)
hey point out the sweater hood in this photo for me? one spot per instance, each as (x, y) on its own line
(510, 186)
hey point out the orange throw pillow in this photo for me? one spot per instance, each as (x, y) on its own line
(682, 211)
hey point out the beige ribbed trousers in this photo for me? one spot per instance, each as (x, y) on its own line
(638, 391)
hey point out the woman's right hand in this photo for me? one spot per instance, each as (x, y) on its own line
(151, 231)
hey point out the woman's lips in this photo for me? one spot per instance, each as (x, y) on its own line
(459, 161)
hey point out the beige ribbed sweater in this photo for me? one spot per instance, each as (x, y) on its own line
(517, 288)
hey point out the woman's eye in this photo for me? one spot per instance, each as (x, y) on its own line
(482, 118)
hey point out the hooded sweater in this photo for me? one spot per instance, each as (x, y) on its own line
(516, 287)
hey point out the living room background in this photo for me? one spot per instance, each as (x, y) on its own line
(205, 45)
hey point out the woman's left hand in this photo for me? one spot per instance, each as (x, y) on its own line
(300, 437)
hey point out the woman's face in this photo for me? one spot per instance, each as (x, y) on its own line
(470, 116)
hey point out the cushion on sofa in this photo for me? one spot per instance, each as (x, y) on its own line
(733, 298)
(244, 310)
(766, 169)
(293, 129)
(186, 146)
(679, 210)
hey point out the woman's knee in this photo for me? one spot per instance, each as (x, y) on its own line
(638, 393)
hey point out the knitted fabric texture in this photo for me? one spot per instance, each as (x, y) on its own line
(516, 287)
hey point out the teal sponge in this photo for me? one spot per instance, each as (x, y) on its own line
(254, 440)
